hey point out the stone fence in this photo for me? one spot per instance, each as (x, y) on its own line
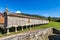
(36, 35)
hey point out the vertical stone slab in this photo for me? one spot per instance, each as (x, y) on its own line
(30, 27)
(22, 28)
(27, 27)
(15, 29)
(7, 31)
(33, 25)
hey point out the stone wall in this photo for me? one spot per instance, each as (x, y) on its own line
(19, 21)
(16, 21)
(36, 35)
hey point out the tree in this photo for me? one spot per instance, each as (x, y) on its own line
(49, 18)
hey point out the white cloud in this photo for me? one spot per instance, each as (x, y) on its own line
(18, 12)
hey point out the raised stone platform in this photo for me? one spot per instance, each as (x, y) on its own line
(36, 35)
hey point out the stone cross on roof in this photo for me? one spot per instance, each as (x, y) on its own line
(6, 9)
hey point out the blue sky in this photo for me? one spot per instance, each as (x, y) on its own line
(37, 7)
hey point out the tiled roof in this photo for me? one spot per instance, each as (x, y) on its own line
(24, 16)
(1, 20)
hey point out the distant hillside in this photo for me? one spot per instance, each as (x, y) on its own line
(38, 16)
(56, 19)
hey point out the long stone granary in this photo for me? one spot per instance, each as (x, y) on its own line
(15, 20)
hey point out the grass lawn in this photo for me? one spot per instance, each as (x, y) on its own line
(51, 24)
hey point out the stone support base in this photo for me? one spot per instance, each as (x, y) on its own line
(30, 27)
(7, 31)
(15, 29)
(22, 28)
(27, 27)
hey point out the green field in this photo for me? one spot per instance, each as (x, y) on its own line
(51, 24)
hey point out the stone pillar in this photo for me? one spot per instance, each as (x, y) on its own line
(22, 28)
(7, 30)
(15, 29)
(33, 26)
(30, 27)
(27, 27)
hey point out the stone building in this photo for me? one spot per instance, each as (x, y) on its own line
(15, 20)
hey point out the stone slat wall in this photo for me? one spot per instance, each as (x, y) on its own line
(19, 21)
(37, 35)
(16, 21)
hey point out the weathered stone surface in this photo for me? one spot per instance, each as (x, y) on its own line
(19, 21)
(37, 35)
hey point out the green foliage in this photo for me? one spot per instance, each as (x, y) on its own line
(38, 16)
(49, 18)
(57, 19)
